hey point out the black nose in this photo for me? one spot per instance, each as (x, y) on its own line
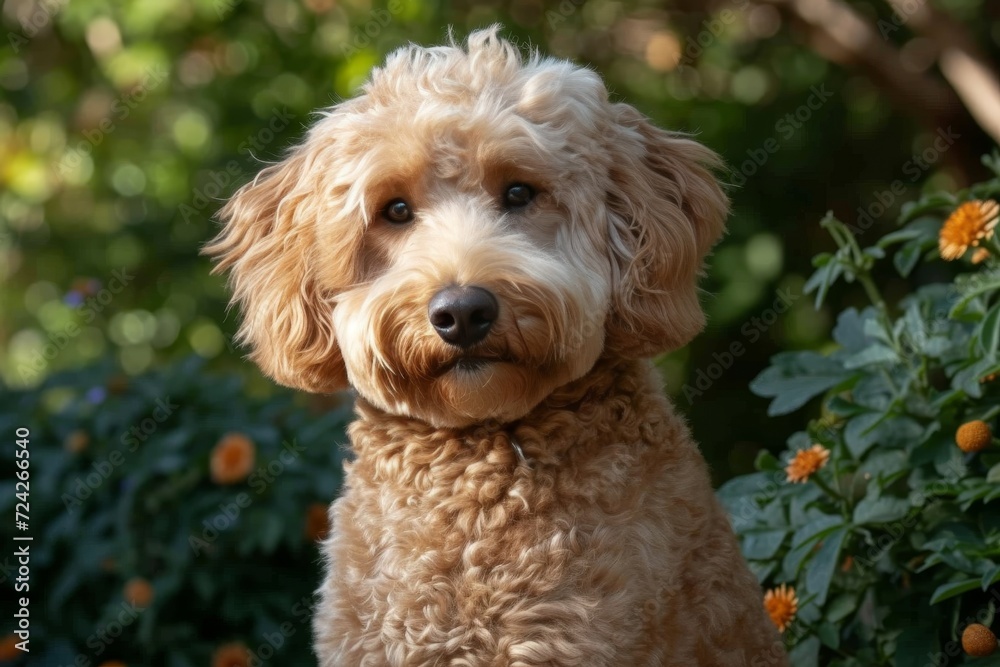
(462, 316)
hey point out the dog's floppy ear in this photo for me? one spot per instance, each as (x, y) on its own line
(265, 244)
(666, 210)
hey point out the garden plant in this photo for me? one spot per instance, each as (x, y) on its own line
(174, 519)
(877, 534)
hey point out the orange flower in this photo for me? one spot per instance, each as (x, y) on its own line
(113, 663)
(847, 564)
(978, 640)
(317, 524)
(781, 605)
(232, 459)
(8, 648)
(76, 442)
(980, 256)
(969, 224)
(235, 654)
(973, 436)
(139, 592)
(806, 462)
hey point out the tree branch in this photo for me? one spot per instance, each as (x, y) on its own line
(962, 63)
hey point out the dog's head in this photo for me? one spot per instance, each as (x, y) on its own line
(471, 232)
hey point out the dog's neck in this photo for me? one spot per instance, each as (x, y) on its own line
(596, 400)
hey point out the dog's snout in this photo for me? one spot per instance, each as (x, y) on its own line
(463, 315)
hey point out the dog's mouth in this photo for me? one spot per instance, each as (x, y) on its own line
(471, 363)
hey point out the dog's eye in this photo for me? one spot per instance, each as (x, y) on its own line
(397, 211)
(518, 195)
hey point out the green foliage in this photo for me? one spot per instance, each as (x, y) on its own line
(121, 488)
(894, 545)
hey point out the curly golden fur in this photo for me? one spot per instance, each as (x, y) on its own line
(528, 497)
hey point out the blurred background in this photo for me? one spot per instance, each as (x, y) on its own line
(124, 124)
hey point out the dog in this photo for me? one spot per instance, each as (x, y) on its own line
(489, 251)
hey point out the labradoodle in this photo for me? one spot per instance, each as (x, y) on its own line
(489, 251)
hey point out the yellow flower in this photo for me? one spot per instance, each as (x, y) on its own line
(317, 525)
(139, 592)
(969, 224)
(973, 436)
(781, 605)
(231, 655)
(978, 640)
(806, 462)
(232, 459)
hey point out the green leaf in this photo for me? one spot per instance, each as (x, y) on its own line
(738, 496)
(968, 379)
(879, 510)
(849, 332)
(803, 497)
(794, 378)
(764, 544)
(907, 258)
(829, 635)
(993, 475)
(819, 526)
(868, 429)
(762, 570)
(860, 433)
(970, 286)
(875, 354)
(990, 577)
(821, 280)
(805, 653)
(885, 463)
(988, 334)
(843, 407)
(841, 607)
(915, 230)
(947, 591)
(821, 567)
(766, 462)
(935, 202)
(919, 235)
(980, 489)
(803, 542)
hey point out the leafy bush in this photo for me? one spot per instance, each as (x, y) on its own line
(892, 540)
(171, 516)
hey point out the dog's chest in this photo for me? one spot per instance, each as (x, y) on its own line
(472, 551)
(489, 515)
